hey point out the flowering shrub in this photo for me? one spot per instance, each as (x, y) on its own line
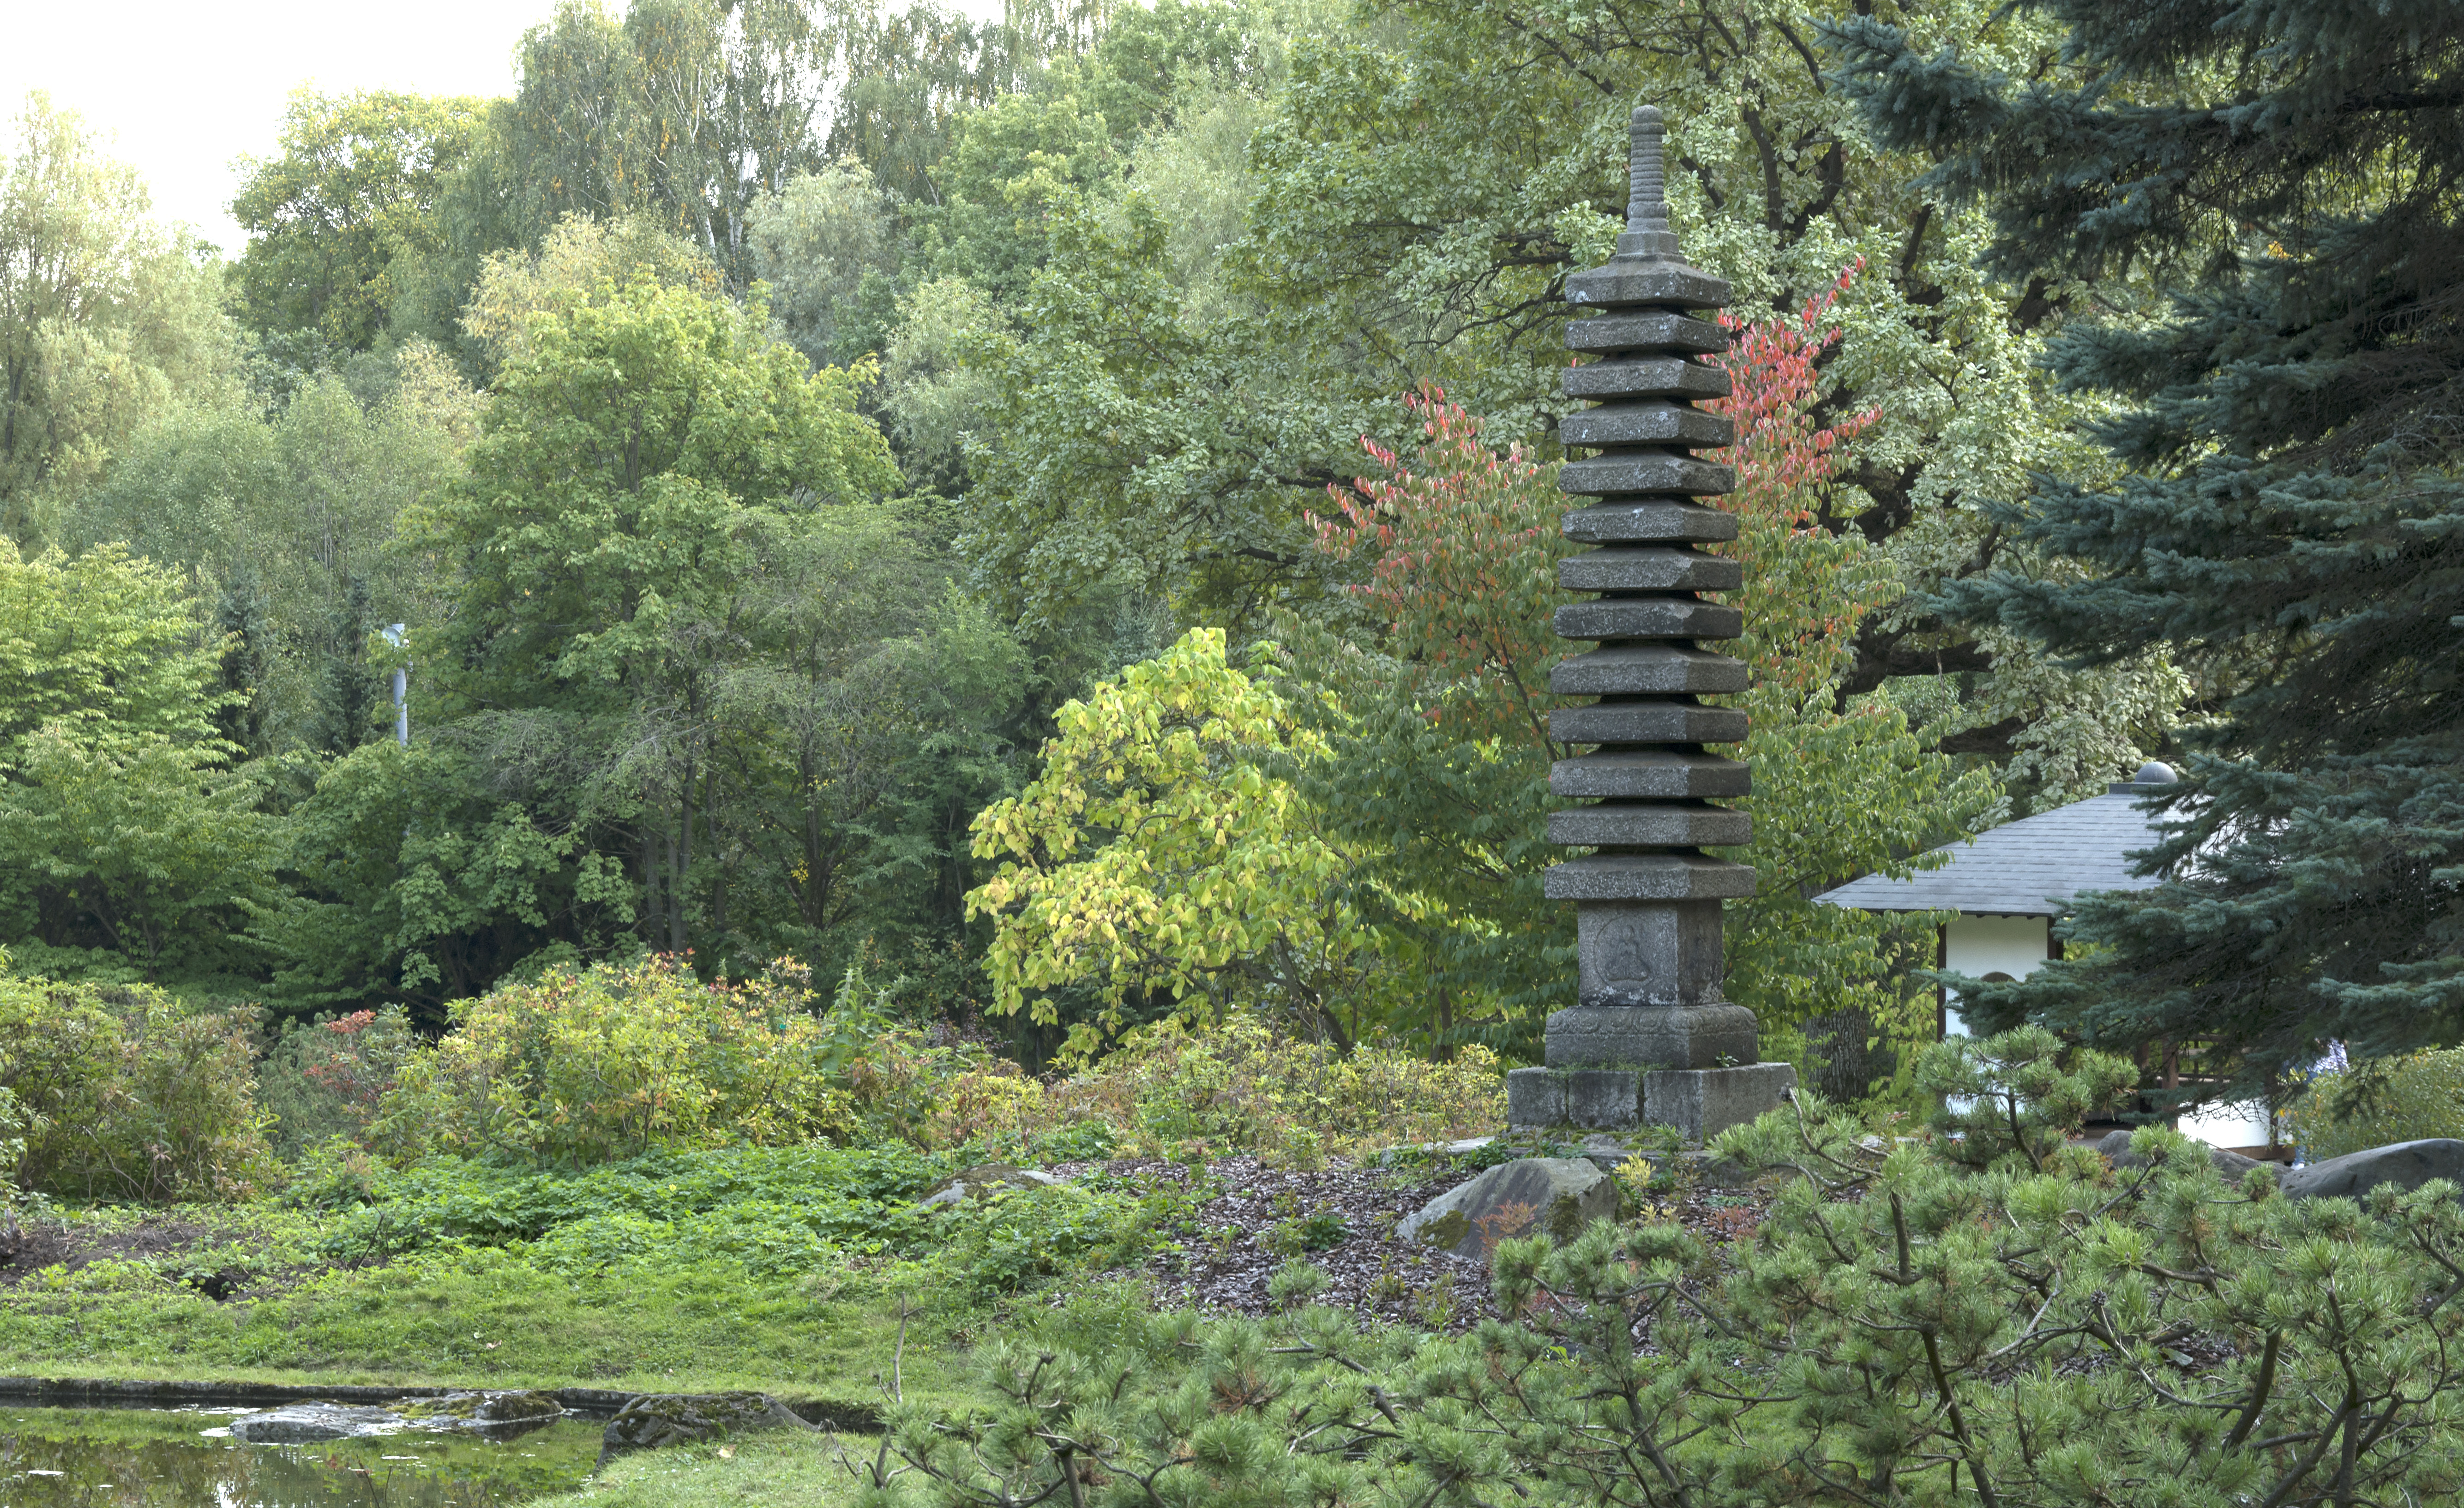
(327, 1080)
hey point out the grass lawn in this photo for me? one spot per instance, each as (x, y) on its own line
(479, 1319)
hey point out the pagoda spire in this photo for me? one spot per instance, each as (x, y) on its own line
(1650, 1036)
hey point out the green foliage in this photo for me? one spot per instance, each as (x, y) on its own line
(102, 644)
(1440, 759)
(1243, 1085)
(1156, 853)
(461, 1314)
(123, 836)
(1903, 1327)
(2277, 505)
(808, 1212)
(1842, 785)
(2373, 1105)
(615, 1062)
(828, 246)
(325, 1080)
(679, 112)
(123, 1093)
(352, 191)
(105, 315)
(2011, 1098)
(411, 880)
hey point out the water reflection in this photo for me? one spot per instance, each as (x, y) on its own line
(159, 1459)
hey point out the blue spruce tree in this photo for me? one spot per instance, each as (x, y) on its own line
(2289, 518)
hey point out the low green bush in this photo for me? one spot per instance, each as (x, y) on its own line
(616, 1061)
(2372, 1105)
(2001, 1319)
(1243, 1086)
(775, 1211)
(123, 1093)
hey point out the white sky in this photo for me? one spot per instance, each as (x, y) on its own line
(182, 87)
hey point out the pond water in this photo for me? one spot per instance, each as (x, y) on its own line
(163, 1458)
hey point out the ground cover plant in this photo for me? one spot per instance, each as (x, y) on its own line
(2003, 1319)
(625, 1177)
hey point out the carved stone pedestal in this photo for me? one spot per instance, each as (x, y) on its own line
(1701, 1102)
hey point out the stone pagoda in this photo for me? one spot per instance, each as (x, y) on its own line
(1650, 1038)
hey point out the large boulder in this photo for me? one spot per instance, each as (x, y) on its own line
(304, 1423)
(2116, 1147)
(981, 1182)
(1559, 1195)
(655, 1419)
(2406, 1165)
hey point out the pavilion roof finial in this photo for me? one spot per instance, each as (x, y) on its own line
(1646, 211)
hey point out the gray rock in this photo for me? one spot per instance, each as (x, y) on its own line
(300, 1422)
(981, 1182)
(1389, 1156)
(1560, 1195)
(1644, 955)
(652, 1420)
(485, 1413)
(1696, 1036)
(1536, 1097)
(2406, 1165)
(1603, 1099)
(2116, 1147)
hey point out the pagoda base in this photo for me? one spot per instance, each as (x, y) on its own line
(1698, 1102)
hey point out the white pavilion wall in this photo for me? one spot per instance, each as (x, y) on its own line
(2018, 946)
(1977, 945)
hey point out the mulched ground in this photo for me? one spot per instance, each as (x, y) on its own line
(1252, 1224)
(39, 1244)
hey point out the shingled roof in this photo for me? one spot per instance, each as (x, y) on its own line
(2030, 868)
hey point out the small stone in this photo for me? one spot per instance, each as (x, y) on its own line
(1621, 472)
(1606, 1099)
(1536, 1097)
(982, 1181)
(1646, 331)
(1647, 722)
(1647, 877)
(1639, 669)
(1701, 1102)
(304, 1423)
(1648, 520)
(1647, 422)
(1648, 773)
(1558, 1195)
(1650, 826)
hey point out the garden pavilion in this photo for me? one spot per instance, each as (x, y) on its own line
(2009, 884)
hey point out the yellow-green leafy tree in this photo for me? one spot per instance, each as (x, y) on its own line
(1163, 852)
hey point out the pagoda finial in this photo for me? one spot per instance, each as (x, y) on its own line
(1646, 210)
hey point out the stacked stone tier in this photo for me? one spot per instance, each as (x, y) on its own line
(1652, 784)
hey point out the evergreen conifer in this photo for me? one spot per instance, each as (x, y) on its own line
(2286, 518)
